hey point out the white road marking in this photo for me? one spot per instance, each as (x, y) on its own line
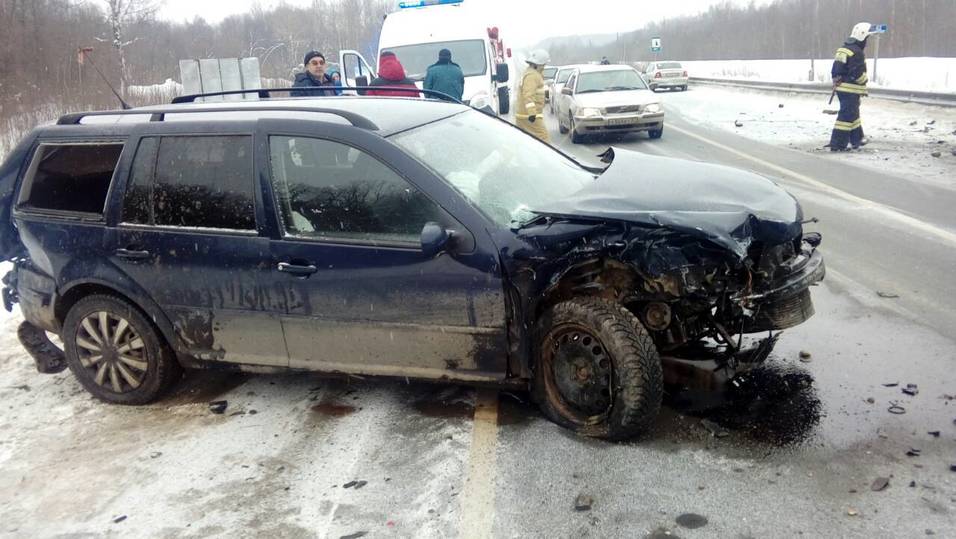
(876, 207)
(478, 496)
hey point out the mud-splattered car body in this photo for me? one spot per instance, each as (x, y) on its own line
(284, 271)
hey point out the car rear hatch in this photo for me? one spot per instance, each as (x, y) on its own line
(10, 246)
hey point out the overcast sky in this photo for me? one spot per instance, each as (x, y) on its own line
(522, 22)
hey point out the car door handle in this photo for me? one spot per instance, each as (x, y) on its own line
(132, 254)
(296, 269)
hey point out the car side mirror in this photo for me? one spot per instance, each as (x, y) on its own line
(360, 81)
(434, 239)
(501, 73)
(567, 91)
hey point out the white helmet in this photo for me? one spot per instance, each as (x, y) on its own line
(539, 57)
(861, 31)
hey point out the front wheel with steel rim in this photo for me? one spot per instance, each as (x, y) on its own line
(597, 370)
(115, 352)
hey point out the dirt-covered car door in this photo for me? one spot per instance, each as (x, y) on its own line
(364, 293)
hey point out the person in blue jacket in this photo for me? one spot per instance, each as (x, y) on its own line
(445, 76)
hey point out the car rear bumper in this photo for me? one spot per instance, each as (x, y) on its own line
(668, 82)
(618, 123)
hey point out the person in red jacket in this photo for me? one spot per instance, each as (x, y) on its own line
(392, 74)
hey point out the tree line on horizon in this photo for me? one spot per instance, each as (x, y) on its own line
(783, 29)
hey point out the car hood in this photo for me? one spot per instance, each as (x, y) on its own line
(727, 206)
(616, 99)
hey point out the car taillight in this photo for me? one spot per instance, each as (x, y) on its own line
(685, 73)
(657, 75)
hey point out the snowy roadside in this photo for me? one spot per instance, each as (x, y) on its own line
(292, 456)
(915, 141)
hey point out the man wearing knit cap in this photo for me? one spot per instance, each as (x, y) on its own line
(314, 76)
(445, 76)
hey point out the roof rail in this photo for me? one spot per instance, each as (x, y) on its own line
(266, 93)
(158, 114)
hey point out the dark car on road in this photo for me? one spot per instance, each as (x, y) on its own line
(396, 237)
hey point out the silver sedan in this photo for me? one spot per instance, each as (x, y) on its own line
(609, 99)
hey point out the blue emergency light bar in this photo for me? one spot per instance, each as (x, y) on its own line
(878, 28)
(408, 4)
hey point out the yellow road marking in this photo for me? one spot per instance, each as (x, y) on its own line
(478, 496)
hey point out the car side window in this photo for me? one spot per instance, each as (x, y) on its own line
(70, 177)
(571, 81)
(193, 181)
(328, 190)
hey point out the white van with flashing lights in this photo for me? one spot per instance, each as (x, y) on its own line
(421, 28)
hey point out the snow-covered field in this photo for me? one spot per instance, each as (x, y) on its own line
(903, 136)
(922, 74)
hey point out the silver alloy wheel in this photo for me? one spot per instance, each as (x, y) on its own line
(109, 347)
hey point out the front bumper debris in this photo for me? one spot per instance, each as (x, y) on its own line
(48, 358)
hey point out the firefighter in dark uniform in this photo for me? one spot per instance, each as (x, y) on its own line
(849, 81)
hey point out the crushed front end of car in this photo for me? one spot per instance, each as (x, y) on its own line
(703, 255)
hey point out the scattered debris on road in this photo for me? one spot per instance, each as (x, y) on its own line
(934, 433)
(896, 409)
(356, 484)
(887, 295)
(880, 483)
(155, 454)
(852, 512)
(738, 123)
(914, 452)
(218, 407)
(891, 384)
(691, 521)
(911, 390)
(119, 519)
(805, 356)
(355, 535)
(937, 154)
(583, 502)
(870, 400)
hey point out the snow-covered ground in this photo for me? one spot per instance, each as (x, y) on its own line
(924, 74)
(277, 463)
(903, 136)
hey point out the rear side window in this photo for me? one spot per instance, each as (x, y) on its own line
(70, 177)
(669, 65)
(195, 182)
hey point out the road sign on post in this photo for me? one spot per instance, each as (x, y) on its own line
(655, 44)
(877, 29)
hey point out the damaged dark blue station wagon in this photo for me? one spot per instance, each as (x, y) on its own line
(397, 237)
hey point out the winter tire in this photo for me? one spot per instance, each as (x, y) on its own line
(575, 137)
(115, 352)
(561, 127)
(656, 133)
(597, 371)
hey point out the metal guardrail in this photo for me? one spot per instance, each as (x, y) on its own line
(947, 99)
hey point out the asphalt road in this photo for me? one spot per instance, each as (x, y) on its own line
(305, 456)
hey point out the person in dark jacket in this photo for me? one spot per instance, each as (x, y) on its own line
(849, 83)
(445, 76)
(313, 78)
(391, 74)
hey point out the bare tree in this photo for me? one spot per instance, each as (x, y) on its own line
(121, 14)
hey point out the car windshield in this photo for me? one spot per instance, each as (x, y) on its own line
(610, 81)
(563, 76)
(500, 169)
(669, 65)
(549, 72)
(469, 55)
